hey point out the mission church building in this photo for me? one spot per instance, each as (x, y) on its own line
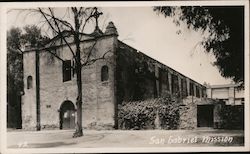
(125, 74)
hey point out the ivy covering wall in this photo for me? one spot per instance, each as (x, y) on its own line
(159, 113)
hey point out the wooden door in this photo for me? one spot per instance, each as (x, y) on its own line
(68, 120)
(205, 116)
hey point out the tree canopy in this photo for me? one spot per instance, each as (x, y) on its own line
(16, 39)
(225, 28)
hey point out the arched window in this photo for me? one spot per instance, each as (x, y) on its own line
(29, 82)
(104, 73)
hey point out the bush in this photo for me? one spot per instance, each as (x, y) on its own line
(147, 114)
(233, 117)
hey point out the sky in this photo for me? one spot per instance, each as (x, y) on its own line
(152, 34)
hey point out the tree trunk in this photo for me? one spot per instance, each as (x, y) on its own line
(78, 131)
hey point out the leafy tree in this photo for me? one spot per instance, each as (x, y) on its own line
(16, 39)
(14, 60)
(33, 36)
(14, 78)
(225, 27)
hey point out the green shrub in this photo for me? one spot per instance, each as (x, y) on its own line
(142, 114)
(233, 117)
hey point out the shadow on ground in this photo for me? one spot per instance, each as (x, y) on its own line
(158, 138)
(44, 145)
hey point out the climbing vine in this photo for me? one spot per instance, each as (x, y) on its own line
(147, 114)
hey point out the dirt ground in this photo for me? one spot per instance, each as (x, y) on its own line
(127, 138)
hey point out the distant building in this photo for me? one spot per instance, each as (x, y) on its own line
(231, 94)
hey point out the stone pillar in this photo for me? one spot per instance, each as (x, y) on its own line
(179, 84)
(194, 89)
(157, 121)
(188, 86)
(170, 82)
(200, 91)
(217, 117)
(205, 92)
(38, 104)
(157, 80)
(231, 96)
(209, 92)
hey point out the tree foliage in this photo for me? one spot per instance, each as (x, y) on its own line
(33, 36)
(225, 39)
(232, 117)
(14, 60)
(16, 40)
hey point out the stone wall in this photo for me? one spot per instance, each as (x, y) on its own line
(98, 97)
(132, 76)
(29, 97)
(141, 77)
(135, 76)
(188, 112)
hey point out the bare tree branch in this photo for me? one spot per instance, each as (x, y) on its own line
(64, 22)
(81, 17)
(12, 49)
(83, 14)
(54, 55)
(58, 32)
(90, 52)
(79, 12)
(96, 59)
(86, 21)
(37, 50)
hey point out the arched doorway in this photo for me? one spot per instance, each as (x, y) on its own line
(67, 115)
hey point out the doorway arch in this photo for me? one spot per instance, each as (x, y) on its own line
(67, 115)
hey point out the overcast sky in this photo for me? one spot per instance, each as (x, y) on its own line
(154, 35)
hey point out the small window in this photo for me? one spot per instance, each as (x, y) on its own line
(105, 73)
(66, 70)
(29, 82)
